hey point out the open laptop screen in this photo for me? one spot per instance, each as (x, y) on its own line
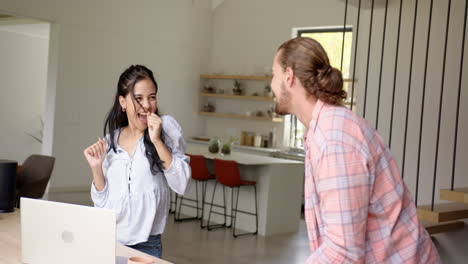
(54, 233)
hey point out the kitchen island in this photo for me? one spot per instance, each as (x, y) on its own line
(279, 190)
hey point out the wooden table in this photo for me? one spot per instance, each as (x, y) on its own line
(10, 241)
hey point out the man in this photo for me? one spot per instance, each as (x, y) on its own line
(357, 207)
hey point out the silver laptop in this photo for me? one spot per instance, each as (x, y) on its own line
(54, 233)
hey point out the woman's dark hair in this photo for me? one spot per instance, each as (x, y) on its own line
(116, 118)
(310, 64)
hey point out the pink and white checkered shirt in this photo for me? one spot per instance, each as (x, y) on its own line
(357, 207)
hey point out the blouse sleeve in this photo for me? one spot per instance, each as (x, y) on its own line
(178, 174)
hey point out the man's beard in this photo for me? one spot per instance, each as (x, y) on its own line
(282, 105)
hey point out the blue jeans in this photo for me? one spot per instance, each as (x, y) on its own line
(151, 247)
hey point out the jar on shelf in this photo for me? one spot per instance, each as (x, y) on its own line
(258, 140)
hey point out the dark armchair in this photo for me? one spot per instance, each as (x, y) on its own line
(32, 181)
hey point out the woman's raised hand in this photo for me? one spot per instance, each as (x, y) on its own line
(95, 154)
(154, 127)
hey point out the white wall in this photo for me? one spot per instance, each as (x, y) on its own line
(23, 71)
(432, 94)
(246, 35)
(97, 41)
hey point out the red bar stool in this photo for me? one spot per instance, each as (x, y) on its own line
(201, 174)
(227, 174)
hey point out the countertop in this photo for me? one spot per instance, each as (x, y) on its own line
(269, 152)
(238, 156)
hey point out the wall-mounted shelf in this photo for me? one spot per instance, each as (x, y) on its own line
(235, 77)
(236, 116)
(249, 97)
(248, 77)
(239, 97)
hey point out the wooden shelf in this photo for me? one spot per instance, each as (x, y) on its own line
(248, 97)
(248, 77)
(235, 77)
(241, 97)
(459, 195)
(443, 212)
(434, 228)
(237, 116)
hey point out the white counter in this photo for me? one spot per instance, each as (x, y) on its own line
(241, 148)
(279, 191)
(238, 156)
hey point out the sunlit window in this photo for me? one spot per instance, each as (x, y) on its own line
(339, 53)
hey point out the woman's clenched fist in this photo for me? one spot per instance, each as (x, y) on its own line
(95, 154)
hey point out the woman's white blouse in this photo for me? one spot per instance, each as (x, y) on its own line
(139, 198)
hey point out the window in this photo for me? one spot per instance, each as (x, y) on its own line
(331, 39)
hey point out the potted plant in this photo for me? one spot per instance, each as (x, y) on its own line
(267, 91)
(213, 146)
(226, 149)
(237, 90)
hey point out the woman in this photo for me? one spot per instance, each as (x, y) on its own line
(139, 160)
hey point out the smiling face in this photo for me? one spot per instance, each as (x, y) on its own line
(278, 86)
(138, 107)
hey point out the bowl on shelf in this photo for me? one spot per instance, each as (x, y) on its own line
(259, 113)
(209, 89)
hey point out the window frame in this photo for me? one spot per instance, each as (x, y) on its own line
(296, 32)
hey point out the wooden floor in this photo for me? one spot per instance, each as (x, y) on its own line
(185, 242)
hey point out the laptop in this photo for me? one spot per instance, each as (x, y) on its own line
(53, 233)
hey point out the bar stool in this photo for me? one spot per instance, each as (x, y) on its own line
(201, 174)
(171, 202)
(227, 174)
